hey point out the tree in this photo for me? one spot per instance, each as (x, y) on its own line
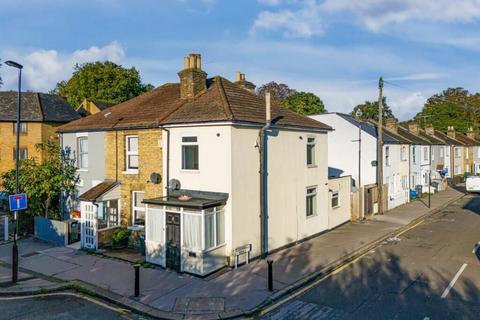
(305, 103)
(104, 81)
(278, 92)
(1, 82)
(45, 183)
(453, 107)
(369, 110)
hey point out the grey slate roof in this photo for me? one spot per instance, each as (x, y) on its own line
(371, 129)
(36, 107)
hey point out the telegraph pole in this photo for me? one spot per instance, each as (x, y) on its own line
(380, 147)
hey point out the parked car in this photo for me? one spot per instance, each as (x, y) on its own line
(473, 184)
(3, 201)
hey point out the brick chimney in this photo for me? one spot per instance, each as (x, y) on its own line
(470, 133)
(430, 130)
(413, 127)
(451, 132)
(242, 82)
(192, 79)
(391, 124)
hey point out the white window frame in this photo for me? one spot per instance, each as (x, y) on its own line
(335, 194)
(128, 153)
(80, 153)
(414, 156)
(425, 153)
(313, 148)
(466, 153)
(135, 208)
(23, 127)
(22, 151)
(187, 143)
(456, 152)
(442, 152)
(403, 153)
(314, 202)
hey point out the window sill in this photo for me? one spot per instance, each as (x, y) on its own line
(136, 228)
(336, 207)
(130, 172)
(312, 216)
(214, 248)
(312, 166)
(189, 171)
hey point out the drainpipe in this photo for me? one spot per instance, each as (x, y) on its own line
(168, 162)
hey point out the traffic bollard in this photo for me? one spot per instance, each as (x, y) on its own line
(270, 275)
(137, 279)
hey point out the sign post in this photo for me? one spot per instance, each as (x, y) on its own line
(17, 202)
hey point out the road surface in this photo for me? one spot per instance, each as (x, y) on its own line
(429, 272)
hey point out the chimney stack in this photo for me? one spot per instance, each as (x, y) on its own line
(241, 81)
(429, 129)
(192, 79)
(470, 133)
(451, 132)
(413, 127)
(391, 124)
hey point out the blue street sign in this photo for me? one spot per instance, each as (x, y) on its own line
(17, 202)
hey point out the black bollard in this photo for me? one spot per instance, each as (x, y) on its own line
(137, 279)
(270, 275)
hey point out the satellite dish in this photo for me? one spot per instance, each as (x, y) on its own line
(174, 184)
(155, 178)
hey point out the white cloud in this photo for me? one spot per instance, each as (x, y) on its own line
(44, 68)
(303, 22)
(270, 2)
(377, 13)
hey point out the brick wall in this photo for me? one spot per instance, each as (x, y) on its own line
(150, 160)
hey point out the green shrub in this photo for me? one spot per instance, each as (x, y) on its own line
(120, 237)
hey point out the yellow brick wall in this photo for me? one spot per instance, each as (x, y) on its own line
(150, 160)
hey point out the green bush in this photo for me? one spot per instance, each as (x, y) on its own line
(120, 237)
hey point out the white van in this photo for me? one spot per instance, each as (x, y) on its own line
(473, 184)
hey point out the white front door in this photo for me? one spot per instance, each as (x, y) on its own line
(89, 225)
(155, 236)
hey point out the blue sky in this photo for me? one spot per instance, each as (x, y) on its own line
(334, 48)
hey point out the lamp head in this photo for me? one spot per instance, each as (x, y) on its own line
(13, 64)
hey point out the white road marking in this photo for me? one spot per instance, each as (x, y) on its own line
(452, 283)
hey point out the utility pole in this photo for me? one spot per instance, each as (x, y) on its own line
(380, 147)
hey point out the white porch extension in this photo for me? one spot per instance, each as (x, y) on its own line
(186, 235)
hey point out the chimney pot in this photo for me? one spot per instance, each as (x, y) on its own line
(413, 127)
(241, 81)
(192, 79)
(391, 124)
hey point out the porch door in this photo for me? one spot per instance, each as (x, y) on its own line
(89, 225)
(173, 240)
(369, 201)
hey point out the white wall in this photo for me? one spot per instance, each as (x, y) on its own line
(343, 148)
(393, 174)
(342, 213)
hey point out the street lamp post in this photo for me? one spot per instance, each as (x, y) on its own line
(17, 156)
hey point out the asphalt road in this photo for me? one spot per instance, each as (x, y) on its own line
(426, 273)
(60, 307)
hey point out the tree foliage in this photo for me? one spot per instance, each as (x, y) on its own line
(278, 92)
(47, 181)
(1, 82)
(453, 107)
(305, 103)
(369, 110)
(104, 81)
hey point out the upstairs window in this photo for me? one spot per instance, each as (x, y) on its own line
(425, 154)
(403, 153)
(189, 153)
(442, 152)
(387, 156)
(310, 151)
(414, 155)
(457, 152)
(335, 199)
(82, 147)
(131, 150)
(23, 127)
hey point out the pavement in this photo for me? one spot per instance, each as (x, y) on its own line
(428, 272)
(232, 293)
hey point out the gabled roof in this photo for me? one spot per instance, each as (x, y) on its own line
(465, 139)
(388, 137)
(102, 105)
(448, 140)
(432, 139)
(221, 101)
(413, 138)
(36, 107)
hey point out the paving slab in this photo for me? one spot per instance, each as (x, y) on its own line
(45, 264)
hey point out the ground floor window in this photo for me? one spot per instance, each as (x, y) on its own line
(210, 233)
(311, 201)
(335, 199)
(108, 214)
(138, 208)
(214, 228)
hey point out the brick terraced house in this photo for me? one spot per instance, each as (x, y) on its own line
(40, 116)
